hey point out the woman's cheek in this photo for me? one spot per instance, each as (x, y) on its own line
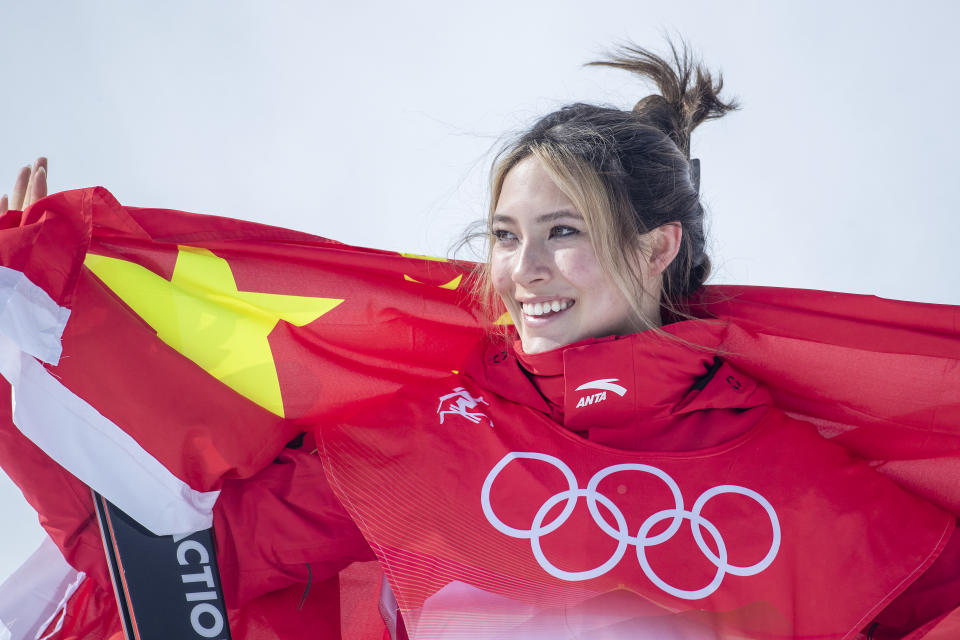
(580, 269)
(500, 275)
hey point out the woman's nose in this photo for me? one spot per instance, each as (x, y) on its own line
(532, 265)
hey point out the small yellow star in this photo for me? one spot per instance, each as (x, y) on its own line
(452, 285)
(200, 313)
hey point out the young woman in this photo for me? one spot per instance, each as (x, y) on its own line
(706, 511)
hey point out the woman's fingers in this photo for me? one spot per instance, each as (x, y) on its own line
(37, 188)
(20, 188)
(31, 185)
(37, 183)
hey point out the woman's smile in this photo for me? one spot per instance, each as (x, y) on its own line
(545, 309)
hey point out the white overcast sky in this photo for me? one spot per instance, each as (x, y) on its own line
(373, 123)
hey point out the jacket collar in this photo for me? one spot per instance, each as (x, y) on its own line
(646, 378)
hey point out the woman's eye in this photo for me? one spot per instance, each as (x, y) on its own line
(561, 230)
(502, 235)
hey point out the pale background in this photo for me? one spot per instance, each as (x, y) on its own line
(373, 124)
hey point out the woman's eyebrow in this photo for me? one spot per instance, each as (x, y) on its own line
(545, 217)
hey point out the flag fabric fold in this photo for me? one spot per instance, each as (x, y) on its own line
(880, 377)
(154, 355)
(37, 592)
(30, 318)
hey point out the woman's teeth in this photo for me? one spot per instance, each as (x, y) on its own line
(543, 308)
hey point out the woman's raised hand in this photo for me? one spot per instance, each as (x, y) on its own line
(31, 185)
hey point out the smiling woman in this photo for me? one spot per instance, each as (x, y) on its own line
(597, 251)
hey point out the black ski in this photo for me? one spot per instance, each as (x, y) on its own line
(166, 586)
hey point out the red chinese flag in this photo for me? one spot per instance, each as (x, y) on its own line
(154, 354)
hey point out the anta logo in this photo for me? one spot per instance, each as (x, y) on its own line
(597, 397)
(603, 386)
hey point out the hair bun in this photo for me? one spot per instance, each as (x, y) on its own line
(687, 94)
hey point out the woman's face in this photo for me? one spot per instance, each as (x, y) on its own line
(544, 267)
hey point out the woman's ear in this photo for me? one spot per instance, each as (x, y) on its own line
(663, 244)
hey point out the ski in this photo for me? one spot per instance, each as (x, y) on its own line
(166, 586)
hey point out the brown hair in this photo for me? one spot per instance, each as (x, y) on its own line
(629, 172)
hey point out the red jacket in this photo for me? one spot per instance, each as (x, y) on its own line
(415, 485)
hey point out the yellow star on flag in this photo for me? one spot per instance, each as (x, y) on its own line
(452, 285)
(200, 313)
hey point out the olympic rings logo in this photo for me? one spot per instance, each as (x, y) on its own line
(642, 541)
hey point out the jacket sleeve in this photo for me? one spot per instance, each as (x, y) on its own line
(281, 527)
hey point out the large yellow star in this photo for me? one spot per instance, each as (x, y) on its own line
(200, 313)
